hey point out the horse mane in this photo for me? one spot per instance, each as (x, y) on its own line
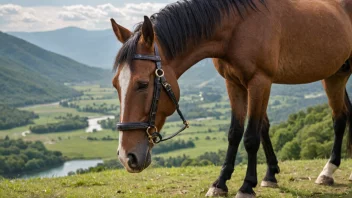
(182, 22)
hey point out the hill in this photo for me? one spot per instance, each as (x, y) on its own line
(53, 66)
(97, 48)
(20, 86)
(295, 180)
(30, 75)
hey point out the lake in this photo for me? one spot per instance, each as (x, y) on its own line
(64, 169)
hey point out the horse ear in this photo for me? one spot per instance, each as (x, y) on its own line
(121, 33)
(148, 32)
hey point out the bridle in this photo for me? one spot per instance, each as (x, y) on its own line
(159, 81)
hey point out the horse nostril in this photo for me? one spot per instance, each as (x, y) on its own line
(132, 160)
(118, 152)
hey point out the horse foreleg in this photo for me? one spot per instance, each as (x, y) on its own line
(259, 92)
(271, 160)
(238, 100)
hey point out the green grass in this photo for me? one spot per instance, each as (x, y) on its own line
(78, 147)
(295, 180)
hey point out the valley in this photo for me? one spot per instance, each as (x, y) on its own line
(59, 88)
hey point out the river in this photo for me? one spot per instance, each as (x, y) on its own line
(94, 125)
(64, 169)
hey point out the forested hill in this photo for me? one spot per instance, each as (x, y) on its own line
(31, 75)
(53, 66)
(305, 135)
(19, 86)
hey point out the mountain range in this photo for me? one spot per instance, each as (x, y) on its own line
(95, 48)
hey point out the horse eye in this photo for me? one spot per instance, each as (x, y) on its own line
(142, 85)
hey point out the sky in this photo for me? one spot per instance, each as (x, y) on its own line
(45, 15)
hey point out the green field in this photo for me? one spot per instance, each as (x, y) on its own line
(74, 144)
(295, 180)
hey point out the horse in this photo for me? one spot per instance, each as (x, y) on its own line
(253, 44)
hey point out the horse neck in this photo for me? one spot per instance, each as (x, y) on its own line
(214, 47)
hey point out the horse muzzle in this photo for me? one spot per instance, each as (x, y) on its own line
(135, 161)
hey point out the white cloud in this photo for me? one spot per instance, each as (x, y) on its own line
(29, 18)
(71, 16)
(41, 18)
(9, 9)
(88, 12)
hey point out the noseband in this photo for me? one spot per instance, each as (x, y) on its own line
(159, 81)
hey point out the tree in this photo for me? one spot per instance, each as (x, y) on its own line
(291, 151)
(310, 148)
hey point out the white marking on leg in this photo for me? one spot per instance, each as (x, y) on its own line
(124, 81)
(329, 170)
(350, 177)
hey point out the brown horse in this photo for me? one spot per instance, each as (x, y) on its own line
(253, 43)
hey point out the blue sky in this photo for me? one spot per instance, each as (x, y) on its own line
(43, 15)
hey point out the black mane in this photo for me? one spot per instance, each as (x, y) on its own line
(184, 22)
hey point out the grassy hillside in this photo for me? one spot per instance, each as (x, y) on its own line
(295, 180)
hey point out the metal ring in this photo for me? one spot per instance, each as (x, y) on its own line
(151, 127)
(157, 73)
(158, 138)
(150, 136)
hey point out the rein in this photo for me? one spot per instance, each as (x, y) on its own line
(159, 81)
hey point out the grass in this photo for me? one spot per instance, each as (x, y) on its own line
(79, 148)
(295, 180)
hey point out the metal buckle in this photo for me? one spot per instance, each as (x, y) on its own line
(186, 124)
(167, 86)
(161, 74)
(150, 136)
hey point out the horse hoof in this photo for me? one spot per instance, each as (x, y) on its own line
(216, 192)
(269, 184)
(324, 180)
(244, 195)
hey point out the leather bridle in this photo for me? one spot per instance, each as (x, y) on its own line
(159, 81)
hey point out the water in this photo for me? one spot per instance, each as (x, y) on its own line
(94, 125)
(64, 169)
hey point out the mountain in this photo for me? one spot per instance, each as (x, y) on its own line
(96, 48)
(30, 75)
